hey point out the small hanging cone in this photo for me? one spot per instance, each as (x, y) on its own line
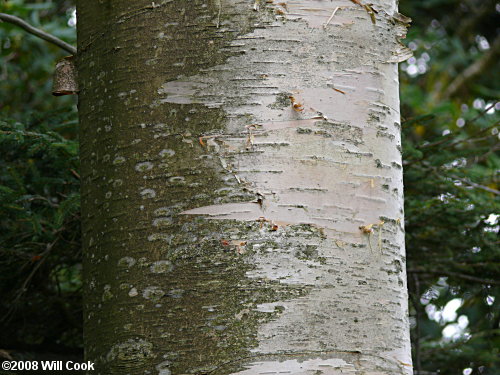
(65, 82)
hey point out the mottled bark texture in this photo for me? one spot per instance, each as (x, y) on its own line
(242, 187)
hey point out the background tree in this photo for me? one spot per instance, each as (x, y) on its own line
(450, 230)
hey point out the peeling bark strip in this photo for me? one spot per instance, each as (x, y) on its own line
(242, 187)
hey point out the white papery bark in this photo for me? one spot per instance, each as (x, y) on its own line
(311, 132)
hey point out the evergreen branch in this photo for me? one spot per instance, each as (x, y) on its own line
(37, 32)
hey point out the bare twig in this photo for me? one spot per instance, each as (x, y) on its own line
(446, 139)
(482, 113)
(455, 274)
(477, 186)
(477, 15)
(473, 70)
(26, 282)
(39, 33)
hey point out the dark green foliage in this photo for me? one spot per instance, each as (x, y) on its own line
(40, 233)
(40, 304)
(448, 235)
(451, 183)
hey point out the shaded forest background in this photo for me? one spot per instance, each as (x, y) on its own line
(450, 118)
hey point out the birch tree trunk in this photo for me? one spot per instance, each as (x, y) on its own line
(242, 187)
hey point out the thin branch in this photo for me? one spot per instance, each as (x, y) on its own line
(477, 16)
(457, 344)
(450, 136)
(477, 186)
(481, 114)
(473, 70)
(39, 33)
(43, 257)
(455, 274)
(479, 159)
